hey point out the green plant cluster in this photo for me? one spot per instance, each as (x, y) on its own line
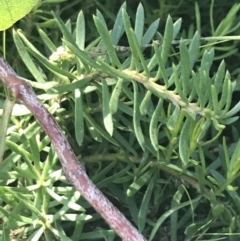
(148, 119)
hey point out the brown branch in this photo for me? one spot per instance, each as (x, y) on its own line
(73, 169)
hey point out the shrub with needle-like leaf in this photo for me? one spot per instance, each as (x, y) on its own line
(151, 102)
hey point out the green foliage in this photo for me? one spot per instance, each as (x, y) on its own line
(144, 117)
(11, 11)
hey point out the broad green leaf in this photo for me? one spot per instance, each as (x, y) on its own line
(11, 11)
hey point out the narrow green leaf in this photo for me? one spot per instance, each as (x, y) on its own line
(103, 172)
(235, 158)
(66, 34)
(173, 119)
(153, 128)
(107, 116)
(93, 125)
(47, 41)
(118, 28)
(149, 34)
(6, 115)
(194, 49)
(184, 142)
(176, 200)
(68, 25)
(176, 27)
(178, 85)
(101, 19)
(21, 198)
(167, 42)
(34, 145)
(118, 73)
(214, 99)
(26, 58)
(139, 182)
(226, 92)
(218, 80)
(185, 68)
(204, 128)
(145, 103)
(233, 111)
(59, 72)
(93, 131)
(136, 117)
(135, 62)
(168, 213)
(139, 23)
(113, 103)
(108, 180)
(86, 59)
(105, 36)
(202, 88)
(207, 60)
(226, 24)
(161, 73)
(80, 31)
(198, 17)
(22, 152)
(122, 141)
(229, 121)
(79, 84)
(139, 52)
(36, 235)
(79, 125)
(144, 208)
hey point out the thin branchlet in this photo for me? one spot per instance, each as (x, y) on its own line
(73, 169)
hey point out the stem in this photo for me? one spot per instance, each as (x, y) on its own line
(73, 169)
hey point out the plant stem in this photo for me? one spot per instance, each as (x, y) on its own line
(73, 169)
